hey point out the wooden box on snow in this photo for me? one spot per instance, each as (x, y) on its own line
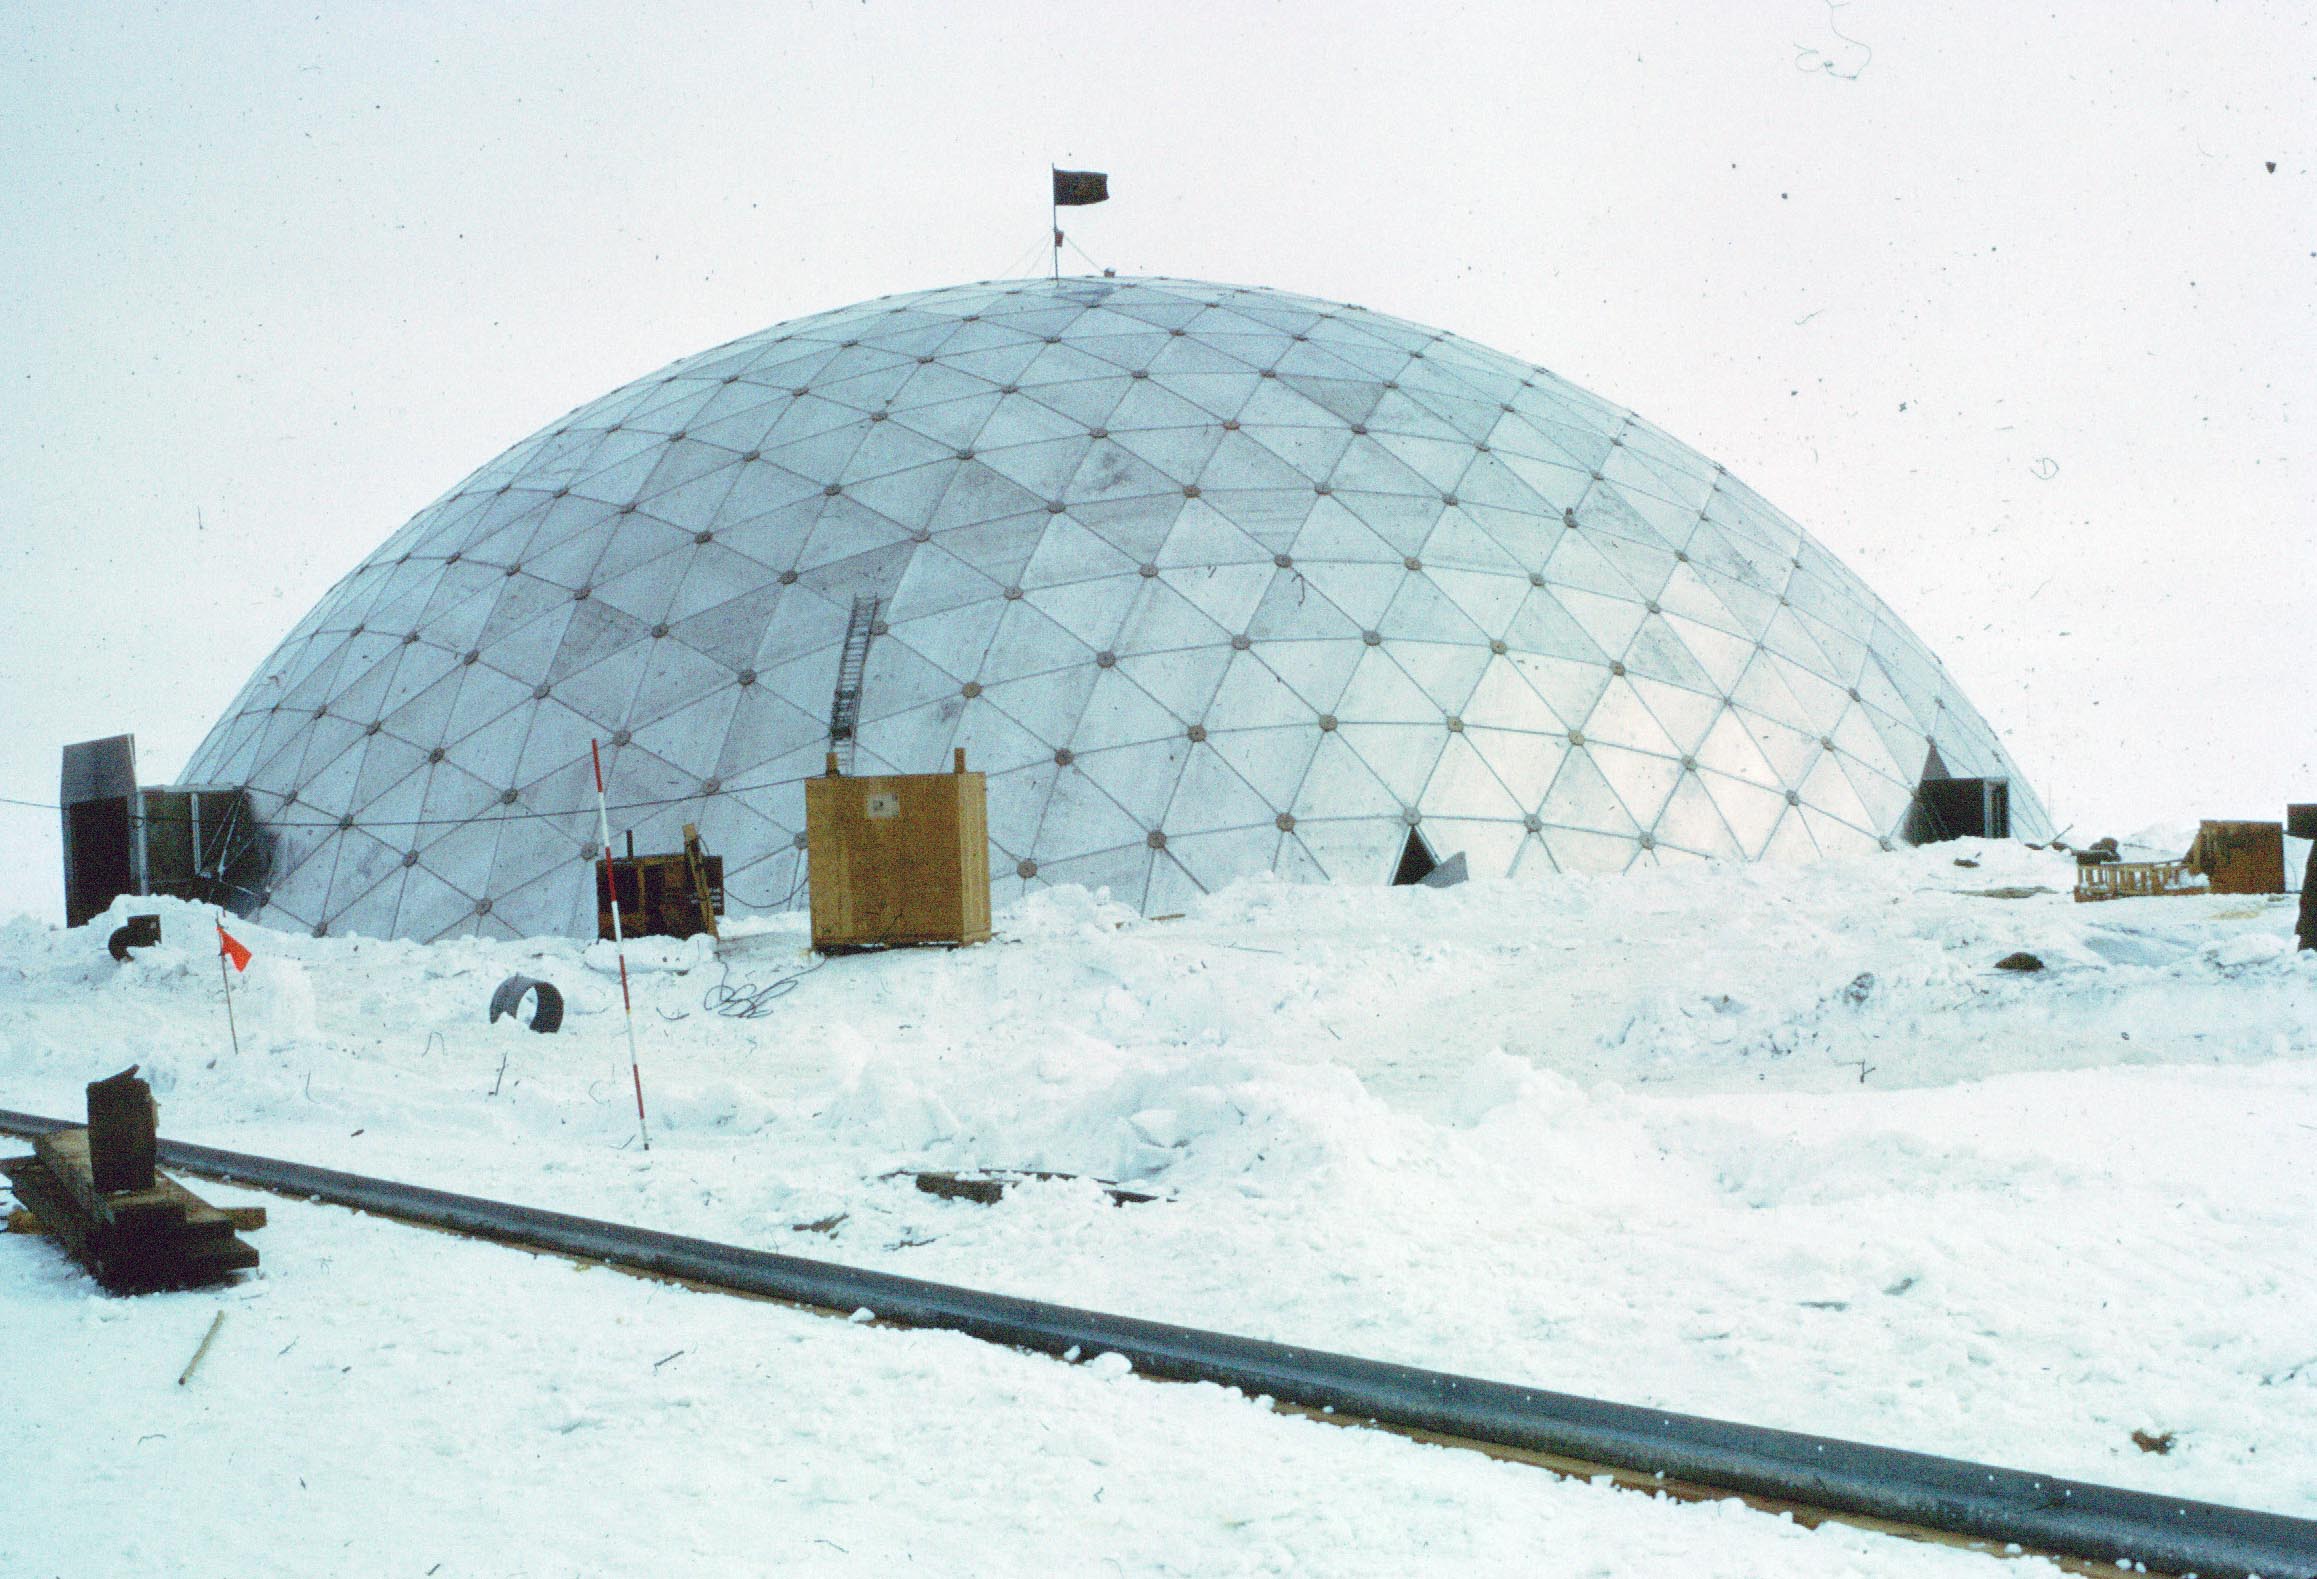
(898, 860)
(2240, 857)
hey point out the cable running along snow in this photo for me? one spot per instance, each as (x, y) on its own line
(752, 1001)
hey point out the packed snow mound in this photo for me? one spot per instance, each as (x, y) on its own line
(2159, 841)
(1778, 1144)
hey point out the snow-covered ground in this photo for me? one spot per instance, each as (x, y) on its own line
(1776, 1145)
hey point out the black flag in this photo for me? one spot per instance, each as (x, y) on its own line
(1076, 188)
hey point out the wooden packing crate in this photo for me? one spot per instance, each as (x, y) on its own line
(2240, 857)
(898, 861)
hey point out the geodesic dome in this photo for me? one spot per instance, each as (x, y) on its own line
(1209, 580)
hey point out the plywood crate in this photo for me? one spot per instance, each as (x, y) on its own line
(2240, 857)
(898, 860)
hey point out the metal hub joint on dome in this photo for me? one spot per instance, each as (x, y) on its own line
(1209, 580)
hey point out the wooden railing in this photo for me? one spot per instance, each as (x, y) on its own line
(2136, 880)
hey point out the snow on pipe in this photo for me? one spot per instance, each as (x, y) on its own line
(1954, 1497)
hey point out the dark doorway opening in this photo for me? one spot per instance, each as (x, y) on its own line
(1416, 862)
(1952, 808)
(98, 871)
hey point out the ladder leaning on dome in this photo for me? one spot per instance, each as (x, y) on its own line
(845, 709)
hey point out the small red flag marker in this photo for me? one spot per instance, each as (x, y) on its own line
(230, 948)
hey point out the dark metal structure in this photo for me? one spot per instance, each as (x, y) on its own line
(198, 842)
(675, 895)
(190, 841)
(97, 787)
(1887, 1487)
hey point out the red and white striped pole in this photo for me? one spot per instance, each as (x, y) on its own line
(619, 943)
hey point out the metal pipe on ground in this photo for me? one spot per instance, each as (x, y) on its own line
(1886, 1488)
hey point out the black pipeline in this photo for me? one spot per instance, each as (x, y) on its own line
(1840, 1479)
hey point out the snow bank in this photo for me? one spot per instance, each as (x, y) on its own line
(1779, 1145)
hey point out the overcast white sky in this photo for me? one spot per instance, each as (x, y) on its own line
(2004, 302)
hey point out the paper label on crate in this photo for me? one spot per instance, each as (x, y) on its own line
(883, 804)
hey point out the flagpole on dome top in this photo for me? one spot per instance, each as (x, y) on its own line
(1073, 189)
(1054, 213)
